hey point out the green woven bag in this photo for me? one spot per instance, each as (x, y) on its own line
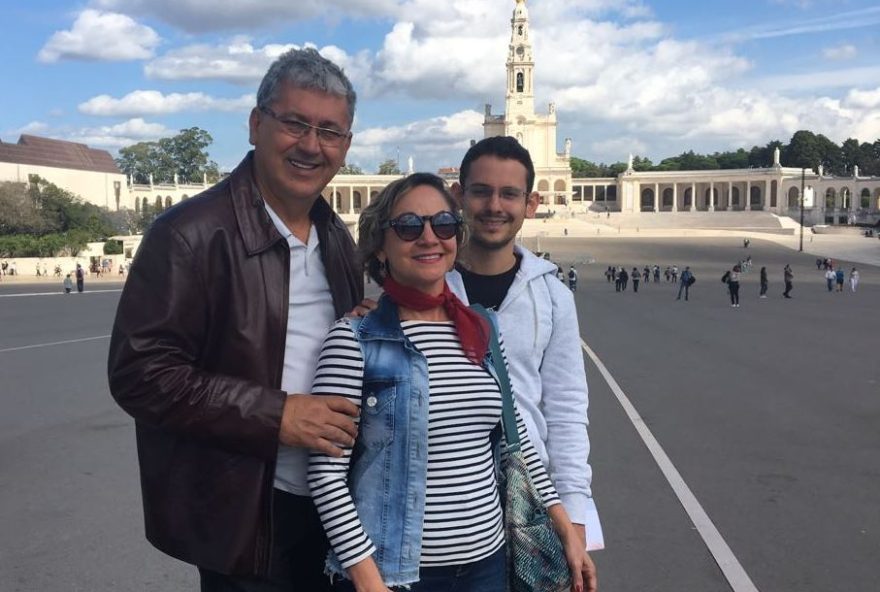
(535, 557)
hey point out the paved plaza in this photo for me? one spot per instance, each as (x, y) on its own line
(768, 413)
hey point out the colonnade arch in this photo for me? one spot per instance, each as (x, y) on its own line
(755, 196)
(793, 194)
(647, 201)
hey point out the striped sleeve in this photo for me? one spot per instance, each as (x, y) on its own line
(536, 468)
(340, 372)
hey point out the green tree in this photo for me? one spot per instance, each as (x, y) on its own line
(830, 156)
(581, 168)
(184, 155)
(136, 161)
(642, 163)
(690, 161)
(615, 169)
(733, 160)
(113, 247)
(850, 153)
(351, 169)
(19, 213)
(389, 167)
(803, 150)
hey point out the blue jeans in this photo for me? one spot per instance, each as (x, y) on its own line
(486, 575)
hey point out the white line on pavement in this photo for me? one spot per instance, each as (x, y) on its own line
(58, 293)
(736, 576)
(11, 349)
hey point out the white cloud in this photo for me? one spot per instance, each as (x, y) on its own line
(102, 36)
(621, 146)
(840, 52)
(152, 102)
(619, 77)
(237, 62)
(863, 99)
(832, 21)
(119, 135)
(818, 80)
(34, 127)
(431, 142)
(209, 15)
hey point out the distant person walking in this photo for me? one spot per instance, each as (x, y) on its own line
(674, 273)
(635, 279)
(765, 283)
(839, 277)
(819, 263)
(68, 284)
(572, 279)
(830, 276)
(788, 277)
(80, 278)
(733, 285)
(687, 280)
(624, 279)
(656, 274)
(854, 279)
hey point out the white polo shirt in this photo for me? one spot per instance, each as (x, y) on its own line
(310, 314)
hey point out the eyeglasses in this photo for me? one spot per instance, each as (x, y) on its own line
(298, 129)
(486, 192)
(409, 227)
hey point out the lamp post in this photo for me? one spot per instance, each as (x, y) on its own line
(803, 180)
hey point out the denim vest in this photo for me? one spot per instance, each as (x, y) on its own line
(389, 463)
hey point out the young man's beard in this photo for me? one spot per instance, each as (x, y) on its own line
(493, 244)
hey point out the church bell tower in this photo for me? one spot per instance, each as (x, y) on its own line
(520, 99)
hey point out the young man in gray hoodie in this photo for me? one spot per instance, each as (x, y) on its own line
(537, 316)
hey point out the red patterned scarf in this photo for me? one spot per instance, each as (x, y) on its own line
(472, 329)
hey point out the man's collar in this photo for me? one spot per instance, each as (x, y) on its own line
(255, 225)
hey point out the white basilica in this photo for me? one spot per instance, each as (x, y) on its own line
(536, 132)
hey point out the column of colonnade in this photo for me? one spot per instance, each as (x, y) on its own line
(340, 191)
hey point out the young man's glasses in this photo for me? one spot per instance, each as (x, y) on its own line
(409, 227)
(298, 129)
(486, 192)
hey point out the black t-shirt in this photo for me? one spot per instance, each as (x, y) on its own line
(488, 290)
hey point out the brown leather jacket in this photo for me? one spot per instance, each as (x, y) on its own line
(196, 358)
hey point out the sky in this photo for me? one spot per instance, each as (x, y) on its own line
(647, 77)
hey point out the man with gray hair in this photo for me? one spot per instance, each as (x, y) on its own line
(216, 340)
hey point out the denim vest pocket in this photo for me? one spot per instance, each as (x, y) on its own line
(377, 413)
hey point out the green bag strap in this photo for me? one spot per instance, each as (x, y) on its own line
(508, 416)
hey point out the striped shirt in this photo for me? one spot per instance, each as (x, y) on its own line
(463, 519)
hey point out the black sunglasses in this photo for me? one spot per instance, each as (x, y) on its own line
(409, 227)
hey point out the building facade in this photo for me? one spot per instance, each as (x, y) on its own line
(88, 173)
(777, 189)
